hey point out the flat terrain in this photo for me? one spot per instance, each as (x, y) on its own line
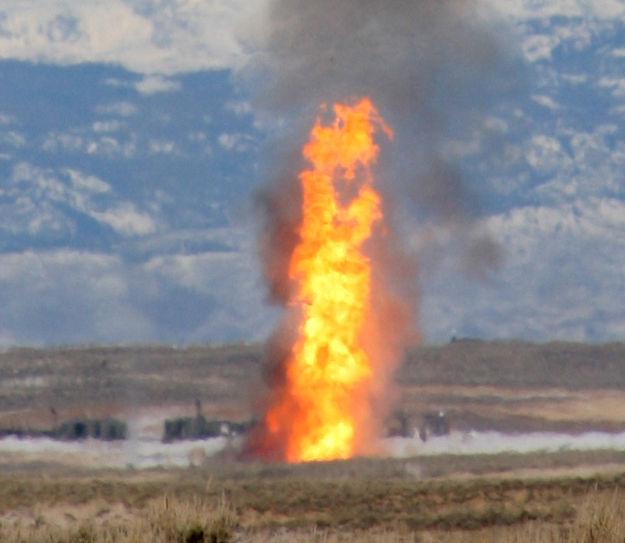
(506, 386)
(563, 496)
(356, 500)
(38, 386)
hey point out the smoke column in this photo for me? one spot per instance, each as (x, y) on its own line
(431, 67)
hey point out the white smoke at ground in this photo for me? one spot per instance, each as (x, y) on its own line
(143, 449)
(147, 451)
(93, 453)
(491, 442)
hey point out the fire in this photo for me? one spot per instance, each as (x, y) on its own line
(324, 402)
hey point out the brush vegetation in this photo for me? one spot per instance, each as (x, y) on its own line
(568, 496)
(315, 502)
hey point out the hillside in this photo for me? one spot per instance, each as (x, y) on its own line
(517, 364)
(481, 385)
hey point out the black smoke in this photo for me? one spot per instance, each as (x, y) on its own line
(433, 68)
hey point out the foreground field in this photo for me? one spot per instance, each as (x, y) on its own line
(358, 500)
(500, 388)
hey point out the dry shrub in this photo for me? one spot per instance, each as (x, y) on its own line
(192, 521)
(601, 519)
(325, 511)
(169, 520)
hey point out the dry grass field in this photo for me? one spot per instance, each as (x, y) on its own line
(358, 500)
(564, 496)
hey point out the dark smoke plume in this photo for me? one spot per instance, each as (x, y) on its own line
(432, 67)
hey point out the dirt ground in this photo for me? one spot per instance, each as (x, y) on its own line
(504, 386)
(502, 497)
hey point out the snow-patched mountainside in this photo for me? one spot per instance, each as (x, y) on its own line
(168, 36)
(554, 187)
(561, 277)
(123, 211)
(125, 191)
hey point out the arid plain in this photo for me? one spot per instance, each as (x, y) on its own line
(490, 389)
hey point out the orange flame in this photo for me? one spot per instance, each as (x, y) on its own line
(324, 401)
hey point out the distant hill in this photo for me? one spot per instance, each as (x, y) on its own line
(39, 377)
(41, 387)
(517, 364)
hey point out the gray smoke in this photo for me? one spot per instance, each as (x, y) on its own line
(432, 67)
